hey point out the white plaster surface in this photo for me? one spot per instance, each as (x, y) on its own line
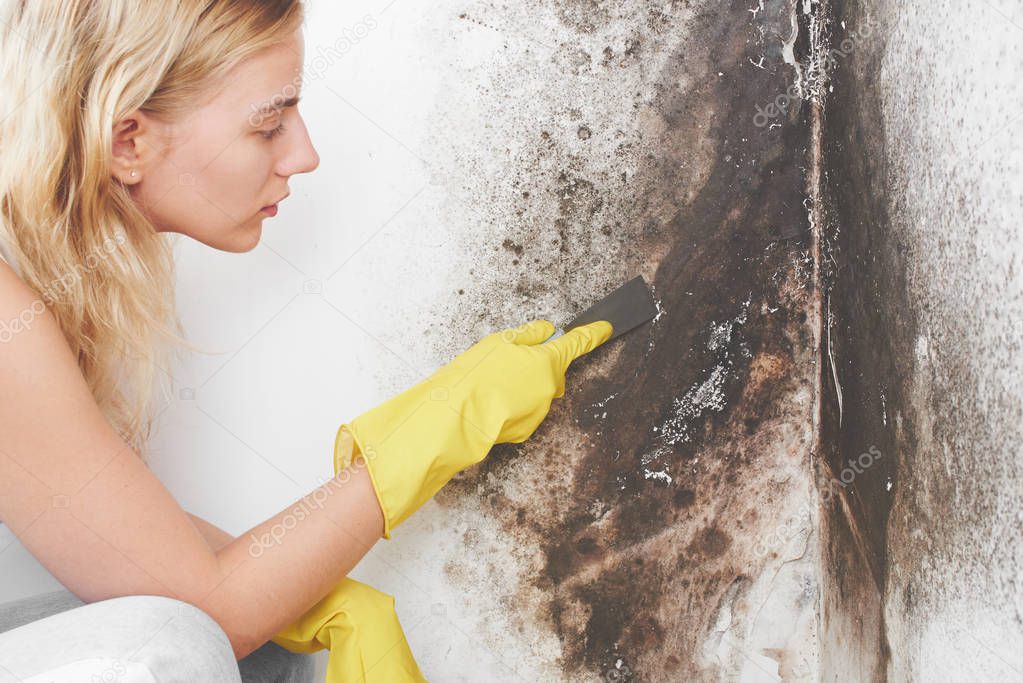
(951, 105)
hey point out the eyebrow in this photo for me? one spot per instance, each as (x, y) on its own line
(278, 106)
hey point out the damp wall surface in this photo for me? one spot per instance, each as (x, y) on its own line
(923, 196)
(660, 525)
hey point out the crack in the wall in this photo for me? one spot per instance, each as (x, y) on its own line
(853, 553)
(810, 87)
(851, 623)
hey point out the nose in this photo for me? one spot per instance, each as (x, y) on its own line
(301, 156)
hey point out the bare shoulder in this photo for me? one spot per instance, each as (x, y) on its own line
(31, 339)
(74, 492)
(46, 404)
(18, 302)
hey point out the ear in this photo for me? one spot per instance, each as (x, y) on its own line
(131, 148)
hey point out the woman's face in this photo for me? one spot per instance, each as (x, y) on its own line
(210, 175)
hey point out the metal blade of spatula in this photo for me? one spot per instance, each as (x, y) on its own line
(626, 308)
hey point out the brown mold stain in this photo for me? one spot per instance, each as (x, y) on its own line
(871, 337)
(636, 565)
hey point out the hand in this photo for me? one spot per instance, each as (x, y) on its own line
(497, 391)
(504, 384)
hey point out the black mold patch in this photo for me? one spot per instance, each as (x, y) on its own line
(584, 16)
(866, 329)
(669, 439)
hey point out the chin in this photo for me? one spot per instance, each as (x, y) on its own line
(253, 239)
(239, 240)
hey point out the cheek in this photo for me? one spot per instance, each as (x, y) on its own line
(209, 191)
(235, 179)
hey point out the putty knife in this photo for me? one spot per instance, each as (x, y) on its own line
(626, 308)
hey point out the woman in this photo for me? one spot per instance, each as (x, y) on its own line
(128, 119)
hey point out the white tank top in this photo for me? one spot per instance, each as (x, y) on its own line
(6, 255)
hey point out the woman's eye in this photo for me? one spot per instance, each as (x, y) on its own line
(270, 134)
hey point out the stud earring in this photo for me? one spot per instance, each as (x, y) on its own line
(132, 174)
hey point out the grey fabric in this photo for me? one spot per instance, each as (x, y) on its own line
(37, 632)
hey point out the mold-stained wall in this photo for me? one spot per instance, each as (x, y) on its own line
(924, 186)
(660, 525)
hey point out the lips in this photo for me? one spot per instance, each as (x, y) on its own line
(278, 201)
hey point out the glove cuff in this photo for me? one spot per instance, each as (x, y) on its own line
(346, 449)
(409, 463)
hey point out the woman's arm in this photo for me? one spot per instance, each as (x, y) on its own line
(86, 506)
(215, 537)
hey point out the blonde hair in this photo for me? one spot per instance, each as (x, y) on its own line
(71, 69)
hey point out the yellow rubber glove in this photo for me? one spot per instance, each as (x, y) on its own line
(497, 391)
(360, 627)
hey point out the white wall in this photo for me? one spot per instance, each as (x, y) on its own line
(951, 110)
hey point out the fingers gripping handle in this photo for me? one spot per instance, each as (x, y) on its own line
(580, 340)
(558, 332)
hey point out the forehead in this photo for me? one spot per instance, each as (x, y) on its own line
(265, 80)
